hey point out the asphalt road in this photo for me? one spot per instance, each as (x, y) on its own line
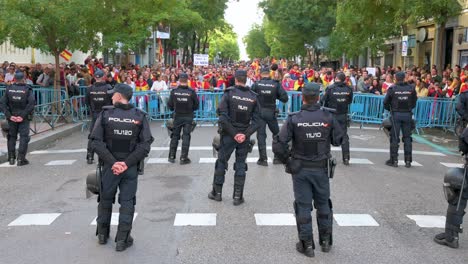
(226, 234)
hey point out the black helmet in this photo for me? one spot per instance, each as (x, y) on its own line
(93, 182)
(453, 181)
(216, 144)
(170, 126)
(387, 123)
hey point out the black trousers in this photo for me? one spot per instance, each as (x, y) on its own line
(312, 185)
(227, 146)
(402, 121)
(91, 126)
(126, 183)
(267, 118)
(454, 217)
(23, 130)
(343, 122)
(184, 125)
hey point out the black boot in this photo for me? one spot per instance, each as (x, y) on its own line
(306, 247)
(238, 195)
(90, 157)
(11, 158)
(184, 157)
(325, 242)
(123, 239)
(263, 160)
(22, 160)
(449, 240)
(172, 154)
(276, 161)
(102, 232)
(408, 160)
(392, 163)
(216, 193)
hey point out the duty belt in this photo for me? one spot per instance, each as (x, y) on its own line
(314, 164)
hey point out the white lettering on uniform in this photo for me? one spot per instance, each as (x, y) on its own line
(265, 91)
(314, 135)
(182, 99)
(314, 124)
(123, 120)
(243, 107)
(16, 97)
(123, 132)
(243, 98)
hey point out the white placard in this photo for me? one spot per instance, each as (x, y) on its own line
(200, 59)
(371, 71)
(404, 46)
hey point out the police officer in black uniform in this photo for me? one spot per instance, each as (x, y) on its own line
(339, 96)
(456, 193)
(122, 138)
(311, 130)
(96, 98)
(18, 105)
(184, 102)
(400, 100)
(238, 120)
(267, 91)
(462, 105)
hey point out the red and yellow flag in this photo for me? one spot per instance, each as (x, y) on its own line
(66, 55)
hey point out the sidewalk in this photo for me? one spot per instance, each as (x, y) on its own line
(43, 138)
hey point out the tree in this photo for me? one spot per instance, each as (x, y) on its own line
(51, 26)
(223, 42)
(255, 42)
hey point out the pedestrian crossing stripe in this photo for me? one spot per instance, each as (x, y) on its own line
(34, 219)
(428, 221)
(360, 161)
(157, 161)
(7, 165)
(355, 220)
(413, 163)
(114, 219)
(60, 162)
(452, 165)
(275, 219)
(195, 219)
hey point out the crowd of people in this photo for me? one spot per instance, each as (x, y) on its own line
(428, 82)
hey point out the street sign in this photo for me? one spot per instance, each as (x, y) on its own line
(200, 59)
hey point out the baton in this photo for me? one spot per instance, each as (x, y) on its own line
(462, 187)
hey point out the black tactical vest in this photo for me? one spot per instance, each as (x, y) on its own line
(241, 106)
(18, 96)
(402, 98)
(183, 103)
(99, 97)
(339, 98)
(122, 128)
(266, 90)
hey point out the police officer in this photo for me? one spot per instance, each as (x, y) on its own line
(400, 101)
(456, 193)
(184, 102)
(18, 105)
(311, 130)
(268, 91)
(339, 96)
(122, 138)
(238, 120)
(96, 98)
(462, 105)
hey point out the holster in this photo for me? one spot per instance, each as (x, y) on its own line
(251, 145)
(348, 121)
(331, 167)
(293, 166)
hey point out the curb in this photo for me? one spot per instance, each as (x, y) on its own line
(41, 141)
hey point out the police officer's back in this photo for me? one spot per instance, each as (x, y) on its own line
(238, 120)
(312, 131)
(339, 96)
(456, 193)
(184, 102)
(400, 100)
(18, 104)
(462, 105)
(268, 91)
(96, 98)
(122, 138)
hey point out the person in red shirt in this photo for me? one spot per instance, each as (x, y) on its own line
(295, 73)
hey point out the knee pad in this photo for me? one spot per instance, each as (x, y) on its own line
(240, 166)
(221, 165)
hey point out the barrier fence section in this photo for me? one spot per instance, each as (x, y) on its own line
(365, 108)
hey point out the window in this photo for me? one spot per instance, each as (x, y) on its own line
(411, 41)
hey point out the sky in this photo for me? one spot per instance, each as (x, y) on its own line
(242, 15)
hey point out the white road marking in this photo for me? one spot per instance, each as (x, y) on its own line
(207, 160)
(59, 151)
(355, 220)
(210, 148)
(7, 165)
(360, 161)
(114, 219)
(275, 219)
(34, 219)
(157, 161)
(413, 163)
(431, 221)
(254, 160)
(60, 162)
(195, 220)
(452, 165)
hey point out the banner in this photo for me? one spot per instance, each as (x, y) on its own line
(404, 46)
(200, 59)
(163, 32)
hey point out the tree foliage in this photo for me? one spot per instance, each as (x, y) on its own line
(255, 43)
(223, 42)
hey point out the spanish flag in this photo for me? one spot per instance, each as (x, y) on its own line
(273, 61)
(66, 55)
